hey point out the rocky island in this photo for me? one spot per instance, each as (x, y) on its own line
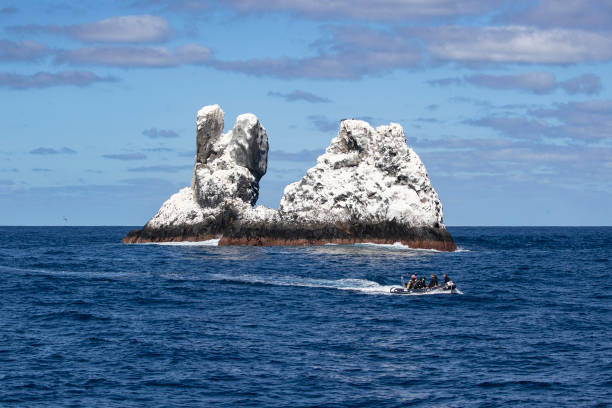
(368, 186)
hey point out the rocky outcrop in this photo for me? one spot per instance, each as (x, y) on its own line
(365, 176)
(225, 183)
(368, 186)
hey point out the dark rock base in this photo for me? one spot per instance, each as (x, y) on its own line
(144, 236)
(278, 234)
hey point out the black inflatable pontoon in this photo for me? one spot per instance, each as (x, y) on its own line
(448, 287)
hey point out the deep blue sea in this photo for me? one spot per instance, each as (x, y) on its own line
(87, 321)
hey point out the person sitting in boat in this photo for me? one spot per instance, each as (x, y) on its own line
(412, 282)
(446, 278)
(420, 284)
(433, 282)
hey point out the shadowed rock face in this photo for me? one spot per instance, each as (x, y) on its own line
(209, 124)
(250, 145)
(388, 232)
(368, 186)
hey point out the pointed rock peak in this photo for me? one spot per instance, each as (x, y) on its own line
(208, 112)
(354, 135)
(246, 120)
(210, 122)
(350, 124)
(393, 131)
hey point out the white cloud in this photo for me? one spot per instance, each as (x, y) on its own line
(584, 123)
(354, 52)
(588, 14)
(155, 133)
(298, 95)
(515, 44)
(134, 56)
(587, 84)
(119, 29)
(143, 28)
(351, 53)
(381, 10)
(49, 79)
(535, 82)
(22, 50)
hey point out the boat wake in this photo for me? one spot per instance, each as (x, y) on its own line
(359, 285)
(349, 284)
(355, 285)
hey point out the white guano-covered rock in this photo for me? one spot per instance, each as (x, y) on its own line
(368, 186)
(228, 166)
(366, 175)
(179, 209)
(226, 176)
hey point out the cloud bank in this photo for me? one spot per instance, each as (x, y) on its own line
(534, 82)
(49, 151)
(584, 122)
(298, 95)
(11, 51)
(382, 10)
(50, 79)
(125, 156)
(135, 56)
(155, 133)
(120, 29)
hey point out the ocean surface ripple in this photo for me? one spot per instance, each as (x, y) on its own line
(87, 321)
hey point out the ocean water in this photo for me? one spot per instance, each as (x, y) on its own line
(87, 321)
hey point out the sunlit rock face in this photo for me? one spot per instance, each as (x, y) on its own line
(366, 175)
(225, 183)
(368, 186)
(228, 166)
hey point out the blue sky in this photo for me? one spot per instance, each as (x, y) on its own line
(508, 103)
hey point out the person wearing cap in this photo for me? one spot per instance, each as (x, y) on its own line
(412, 282)
(433, 282)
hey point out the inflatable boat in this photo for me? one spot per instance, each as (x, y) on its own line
(448, 287)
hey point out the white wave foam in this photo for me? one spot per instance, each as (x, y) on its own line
(210, 242)
(396, 245)
(359, 285)
(399, 245)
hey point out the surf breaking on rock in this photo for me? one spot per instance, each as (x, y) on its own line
(368, 186)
